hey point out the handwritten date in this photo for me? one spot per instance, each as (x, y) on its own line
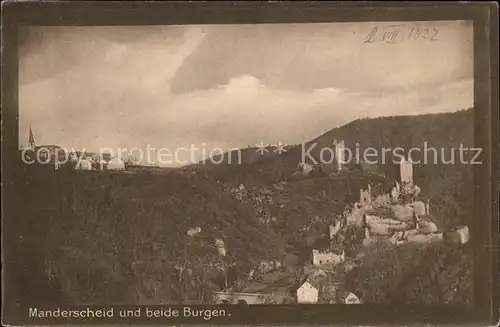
(399, 33)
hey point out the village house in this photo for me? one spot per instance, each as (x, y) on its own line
(116, 164)
(83, 164)
(307, 293)
(343, 296)
(327, 257)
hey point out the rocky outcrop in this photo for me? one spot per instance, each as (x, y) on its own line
(390, 216)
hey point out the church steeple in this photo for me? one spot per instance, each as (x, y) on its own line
(31, 140)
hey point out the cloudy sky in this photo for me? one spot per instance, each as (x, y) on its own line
(231, 86)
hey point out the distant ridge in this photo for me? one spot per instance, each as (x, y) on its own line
(444, 130)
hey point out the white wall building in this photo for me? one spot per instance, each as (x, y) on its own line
(346, 297)
(116, 164)
(327, 257)
(83, 164)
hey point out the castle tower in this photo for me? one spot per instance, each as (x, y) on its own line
(340, 156)
(406, 172)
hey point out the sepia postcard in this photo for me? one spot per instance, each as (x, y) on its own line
(249, 163)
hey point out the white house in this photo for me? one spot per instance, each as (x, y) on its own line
(83, 164)
(346, 297)
(307, 293)
(327, 257)
(116, 164)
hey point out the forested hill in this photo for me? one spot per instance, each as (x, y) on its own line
(441, 131)
(98, 237)
(438, 130)
(449, 186)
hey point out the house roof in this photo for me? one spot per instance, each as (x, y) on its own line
(312, 281)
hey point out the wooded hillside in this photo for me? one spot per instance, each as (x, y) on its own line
(111, 237)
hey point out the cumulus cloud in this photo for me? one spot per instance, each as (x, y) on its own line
(246, 111)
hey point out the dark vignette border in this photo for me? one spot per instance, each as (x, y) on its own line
(484, 227)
